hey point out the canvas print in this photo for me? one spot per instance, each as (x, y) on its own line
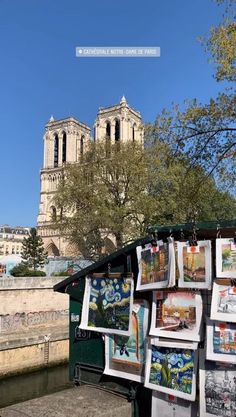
(225, 258)
(223, 306)
(156, 266)
(166, 405)
(125, 355)
(194, 265)
(221, 341)
(217, 389)
(177, 315)
(171, 368)
(107, 304)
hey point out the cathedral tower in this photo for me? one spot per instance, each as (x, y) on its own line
(65, 141)
(119, 122)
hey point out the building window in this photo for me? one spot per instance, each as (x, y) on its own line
(133, 132)
(53, 214)
(56, 150)
(108, 130)
(82, 146)
(64, 147)
(117, 130)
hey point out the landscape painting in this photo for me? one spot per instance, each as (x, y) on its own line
(155, 265)
(223, 306)
(172, 370)
(221, 341)
(176, 314)
(217, 389)
(125, 355)
(194, 264)
(225, 258)
(107, 304)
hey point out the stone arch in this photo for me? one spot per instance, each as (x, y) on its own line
(117, 129)
(52, 249)
(56, 149)
(64, 146)
(134, 130)
(109, 246)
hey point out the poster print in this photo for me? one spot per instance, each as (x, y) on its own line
(125, 355)
(221, 341)
(194, 264)
(177, 315)
(171, 368)
(225, 258)
(223, 306)
(217, 388)
(107, 304)
(165, 405)
(156, 265)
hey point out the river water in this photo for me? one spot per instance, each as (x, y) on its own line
(36, 384)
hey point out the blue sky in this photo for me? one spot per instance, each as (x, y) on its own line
(40, 75)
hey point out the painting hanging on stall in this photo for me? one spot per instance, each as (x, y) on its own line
(171, 368)
(223, 305)
(225, 258)
(217, 388)
(107, 304)
(194, 265)
(221, 341)
(125, 355)
(166, 405)
(177, 315)
(156, 265)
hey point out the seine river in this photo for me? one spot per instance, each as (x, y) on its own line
(36, 384)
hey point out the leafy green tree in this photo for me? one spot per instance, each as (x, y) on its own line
(33, 253)
(121, 194)
(206, 133)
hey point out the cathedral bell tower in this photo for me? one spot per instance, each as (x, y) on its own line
(119, 123)
(65, 141)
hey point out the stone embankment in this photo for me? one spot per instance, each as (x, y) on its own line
(33, 324)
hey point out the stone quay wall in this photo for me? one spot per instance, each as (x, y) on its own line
(34, 323)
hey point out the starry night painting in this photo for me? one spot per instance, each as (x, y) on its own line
(110, 303)
(172, 368)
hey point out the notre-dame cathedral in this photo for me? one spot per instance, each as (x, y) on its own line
(65, 141)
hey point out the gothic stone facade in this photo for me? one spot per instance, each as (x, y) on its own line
(65, 141)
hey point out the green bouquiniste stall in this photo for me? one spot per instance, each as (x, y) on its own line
(87, 352)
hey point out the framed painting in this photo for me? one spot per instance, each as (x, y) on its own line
(107, 303)
(166, 405)
(217, 388)
(125, 355)
(171, 368)
(223, 305)
(156, 266)
(194, 265)
(221, 341)
(225, 258)
(177, 315)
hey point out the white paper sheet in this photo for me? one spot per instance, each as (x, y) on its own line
(164, 405)
(107, 304)
(223, 304)
(195, 265)
(156, 266)
(221, 341)
(125, 355)
(217, 388)
(171, 368)
(176, 315)
(225, 258)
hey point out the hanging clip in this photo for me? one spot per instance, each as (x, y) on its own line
(193, 239)
(218, 234)
(182, 238)
(155, 238)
